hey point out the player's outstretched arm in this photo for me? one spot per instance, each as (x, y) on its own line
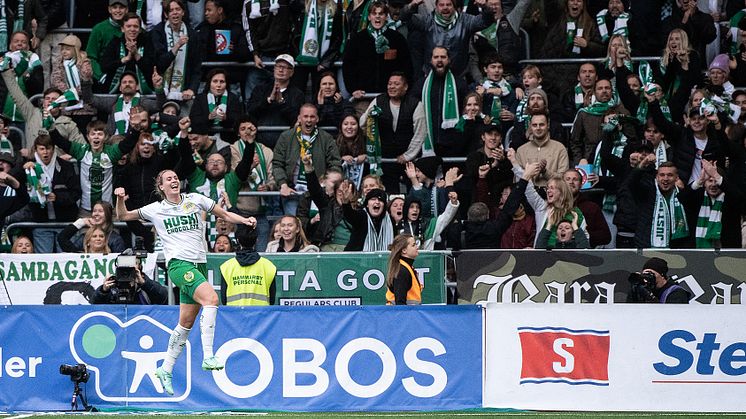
(233, 217)
(122, 212)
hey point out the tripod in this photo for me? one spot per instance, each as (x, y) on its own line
(78, 395)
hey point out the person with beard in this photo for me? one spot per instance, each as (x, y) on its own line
(581, 95)
(371, 227)
(133, 52)
(216, 176)
(661, 220)
(598, 230)
(589, 122)
(714, 205)
(55, 191)
(441, 93)
(293, 144)
(118, 108)
(247, 279)
(426, 230)
(537, 103)
(447, 28)
(97, 159)
(33, 115)
(503, 35)
(613, 20)
(143, 164)
(371, 56)
(103, 33)
(401, 124)
(540, 148)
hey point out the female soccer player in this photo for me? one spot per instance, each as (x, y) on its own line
(179, 223)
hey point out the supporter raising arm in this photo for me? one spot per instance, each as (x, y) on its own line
(179, 224)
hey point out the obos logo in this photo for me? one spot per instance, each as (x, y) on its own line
(560, 355)
(97, 340)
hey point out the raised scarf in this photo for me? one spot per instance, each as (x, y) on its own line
(24, 63)
(661, 155)
(68, 100)
(40, 179)
(579, 97)
(256, 7)
(619, 142)
(6, 146)
(18, 22)
(174, 75)
(315, 40)
(572, 32)
(259, 173)
(490, 34)
(597, 108)
(449, 112)
(3, 28)
(306, 146)
(669, 221)
(709, 224)
(122, 117)
(373, 141)
(221, 103)
(447, 23)
(620, 25)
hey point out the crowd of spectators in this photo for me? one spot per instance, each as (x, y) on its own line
(433, 125)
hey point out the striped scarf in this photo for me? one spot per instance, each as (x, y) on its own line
(306, 146)
(735, 37)
(18, 23)
(216, 190)
(619, 142)
(122, 117)
(317, 33)
(669, 221)
(71, 73)
(709, 224)
(380, 41)
(259, 173)
(6, 146)
(373, 141)
(174, 75)
(24, 62)
(449, 111)
(447, 23)
(376, 241)
(39, 179)
(620, 25)
(144, 86)
(572, 32)
(221, 103)
(3, 28)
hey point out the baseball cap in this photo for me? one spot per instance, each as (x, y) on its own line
(122, 2)
(287, 58)
(71, 40)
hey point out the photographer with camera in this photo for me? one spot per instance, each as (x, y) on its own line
(129, 285)
(651, 285)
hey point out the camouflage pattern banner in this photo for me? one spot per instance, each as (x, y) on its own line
(594, 276)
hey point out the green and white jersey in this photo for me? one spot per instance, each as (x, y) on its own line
(180, 226)
(96, 172)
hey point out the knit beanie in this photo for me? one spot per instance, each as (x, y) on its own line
(657, 264)
(429, 165)
(720, 62)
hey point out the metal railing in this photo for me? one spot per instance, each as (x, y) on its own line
(541, 61)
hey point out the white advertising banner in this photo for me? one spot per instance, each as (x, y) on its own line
(60, 278)
(689, 358)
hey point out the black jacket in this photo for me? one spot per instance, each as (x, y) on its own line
(111, 60)
(66, 188)
(201, 110)
(366, 70)
(150, 292)
(330, 212)
(730, 236)
(12, 200)
(164, 57)
(447, 142)
(137, 177)
(274, 114)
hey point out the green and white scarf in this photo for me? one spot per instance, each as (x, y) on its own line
(6, 146)
(552, 241)
(18, 22)
(735, 37)
(580, 97)
(40, 179)
(212, 104)
(68, 100)
(709, 225)
(122, 116)
(496, 107)
(648, 86)
(306, 146)
(572, 32)
(71, 73)
(449, 113)
(489, 34)
(669, 220)
(317, 33)
(259, 173)
(3, 27)
(446, 23)
(24, 63)
(144, 86)
(174, 75)
(661, 155)
(619, 142)
(597, 108)
(216, 191)
(380, 41)
(373, 141)
(620, 25)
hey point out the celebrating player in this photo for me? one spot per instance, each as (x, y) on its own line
(179, 224)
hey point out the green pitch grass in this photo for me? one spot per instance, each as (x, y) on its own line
(486, 414)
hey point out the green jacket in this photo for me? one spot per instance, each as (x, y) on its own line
(325, 156)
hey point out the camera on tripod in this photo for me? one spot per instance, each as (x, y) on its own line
(78, 373)
(126, 273)
(642, 279)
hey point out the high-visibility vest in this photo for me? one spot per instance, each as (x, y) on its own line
(414, 295)
(248, 285)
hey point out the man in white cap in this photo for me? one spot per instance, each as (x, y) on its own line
(276, 103)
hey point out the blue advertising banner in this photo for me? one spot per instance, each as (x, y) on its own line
(277, 358)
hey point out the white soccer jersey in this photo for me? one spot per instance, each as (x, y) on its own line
(180, 226)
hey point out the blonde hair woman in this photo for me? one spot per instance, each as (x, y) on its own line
(292, 238)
